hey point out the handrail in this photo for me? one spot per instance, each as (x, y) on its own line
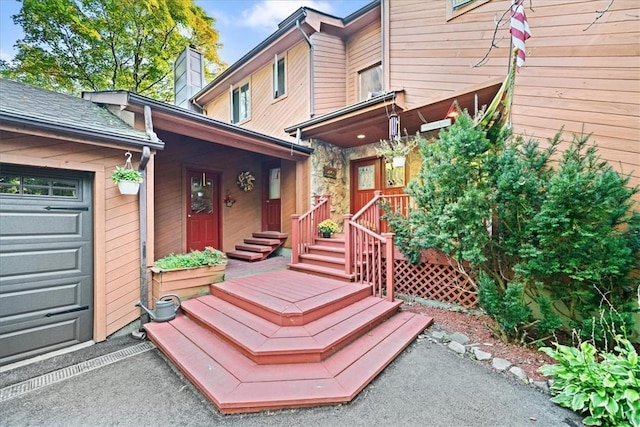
(304, 227)
(370, 214)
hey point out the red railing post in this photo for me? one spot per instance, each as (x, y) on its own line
(295, 238)
(389, 263)
(348, 252)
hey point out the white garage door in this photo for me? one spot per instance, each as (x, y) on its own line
(46, 261)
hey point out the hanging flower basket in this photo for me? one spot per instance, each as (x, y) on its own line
(128, 187)
(398, 161)
(127, 178)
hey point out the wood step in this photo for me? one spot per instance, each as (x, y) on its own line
(248, 256)
(270, 235)
(326, 251)
(236, 384)
(265, 343)
(335, 242)
(262, 241)
(322, 260)
(333, 273)
(289, 298)
(254, 248)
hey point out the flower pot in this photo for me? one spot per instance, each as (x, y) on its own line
(326, 234)
(128, 187)
(398, 161)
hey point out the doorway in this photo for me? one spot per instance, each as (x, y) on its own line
(203, 209)
(372, 174)
(271, 203)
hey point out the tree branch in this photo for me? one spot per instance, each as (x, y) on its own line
(600, 14)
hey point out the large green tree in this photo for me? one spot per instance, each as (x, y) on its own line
(74, 45)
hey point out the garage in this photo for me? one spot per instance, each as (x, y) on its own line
(46, 261)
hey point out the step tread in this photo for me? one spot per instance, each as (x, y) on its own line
(334, 272)
(323, 248)
(270, 234)
(253, 248)
(261, 241)
(323, 258)
(252, 256)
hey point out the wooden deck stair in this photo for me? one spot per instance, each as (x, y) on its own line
(285, 339)
(325, 257)
(259, 246)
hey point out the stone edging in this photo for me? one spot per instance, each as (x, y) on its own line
(459, 343)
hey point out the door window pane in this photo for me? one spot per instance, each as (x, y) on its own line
(274, 183)
(201, 195)
(366, 177)
(394, 176)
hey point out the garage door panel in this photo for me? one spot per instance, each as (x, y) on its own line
(22, 225)
(46, 261)
(36, 264)
(17, 340)
(41, 301)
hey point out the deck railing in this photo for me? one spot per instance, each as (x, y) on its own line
(369, 247)
(304, 227)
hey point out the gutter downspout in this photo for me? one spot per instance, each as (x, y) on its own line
(142, 209)
(312, 112)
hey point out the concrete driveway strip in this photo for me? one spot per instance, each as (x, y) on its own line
(428, 385)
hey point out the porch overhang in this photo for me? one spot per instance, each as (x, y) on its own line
(371, 118)
(190, 124)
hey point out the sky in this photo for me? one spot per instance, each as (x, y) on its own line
(241, 24)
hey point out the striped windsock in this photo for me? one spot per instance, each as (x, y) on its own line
(519, 30)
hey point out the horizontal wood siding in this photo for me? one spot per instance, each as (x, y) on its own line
(330, 74)
(268, 115)
(364, 49)
(585, 80)
(116, 227)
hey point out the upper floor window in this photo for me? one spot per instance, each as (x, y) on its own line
(240, 103)
(278, 78)
(370, 82)
(456, 4)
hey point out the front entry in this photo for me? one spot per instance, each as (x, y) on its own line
(371, 174)
(203, 209)
(271, 214)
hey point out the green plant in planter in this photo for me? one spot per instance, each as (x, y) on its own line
(399, 148)
(126, 174)
(206, 258)
(327, 226)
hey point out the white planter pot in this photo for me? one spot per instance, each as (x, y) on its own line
(398, 162)
(128, 187)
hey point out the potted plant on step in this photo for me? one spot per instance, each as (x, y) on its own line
(327, 227)
(128, 179)
(189, 274)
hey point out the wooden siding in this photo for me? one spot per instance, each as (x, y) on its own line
(329, 73)
(585, 80)
(116, 222)
(268, 115)
(364, 49)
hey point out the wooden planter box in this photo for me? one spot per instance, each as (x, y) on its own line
(185, 282)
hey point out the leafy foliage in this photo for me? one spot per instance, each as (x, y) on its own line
(327, 226)
(604, 385)
(74, 45)
(126, 174)
(549, 244)
(208, 257)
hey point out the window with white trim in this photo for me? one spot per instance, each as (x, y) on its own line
(457, 4)
(279, 74)
(240, 103)
(370, 82)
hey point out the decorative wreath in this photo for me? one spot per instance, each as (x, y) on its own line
(245, 181)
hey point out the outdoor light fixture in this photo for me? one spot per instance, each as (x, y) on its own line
(361, 136)
(453, 111)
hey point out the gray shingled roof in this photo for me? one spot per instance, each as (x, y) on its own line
(35, 107)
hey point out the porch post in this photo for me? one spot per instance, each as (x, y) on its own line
(295, 238)
(348, 253)
(389, 263)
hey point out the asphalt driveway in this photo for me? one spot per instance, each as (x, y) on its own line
(427, 385)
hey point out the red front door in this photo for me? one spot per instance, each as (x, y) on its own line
(271, 215)
(203, 209)
(369, 175)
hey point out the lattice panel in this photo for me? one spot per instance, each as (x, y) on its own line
(434, 281)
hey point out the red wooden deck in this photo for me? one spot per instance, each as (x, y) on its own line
(285, 339)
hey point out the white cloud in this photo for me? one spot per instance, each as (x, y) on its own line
(7, 55)
(267, 14)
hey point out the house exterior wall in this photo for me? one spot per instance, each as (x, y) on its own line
(115, 218)
(329, 59)
(585, 80)
(268, 115)
(364, 49)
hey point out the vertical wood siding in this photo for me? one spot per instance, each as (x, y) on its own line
(364, 49)
(116, 237)
(329, 73)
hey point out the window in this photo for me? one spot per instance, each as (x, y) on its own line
(278, 78)
(456, 4)
(38, 186)
(370, 82)
(240, 103)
